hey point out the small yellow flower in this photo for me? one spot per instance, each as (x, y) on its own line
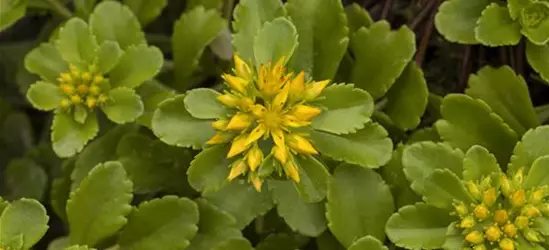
(501, 216)
(490, 196)
(481, 212)
(510, 230)
(507, 244)
(475, 237)
(467, 222)
(474, 190)
(493, 233)
(518, 198)
(79, 88)
(237, 168)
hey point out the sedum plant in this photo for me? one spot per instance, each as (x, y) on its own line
(23, 223)
(91, 67)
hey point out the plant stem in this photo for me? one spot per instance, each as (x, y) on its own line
(419, 18)
(428, 31)
(228, 9)
(466, 65)
(60, 9)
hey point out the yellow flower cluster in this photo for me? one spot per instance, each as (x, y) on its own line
(270, 105)
(501, 212)
(84, 88)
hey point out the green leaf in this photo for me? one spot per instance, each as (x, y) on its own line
(275, 40)
(138, 64)
(346, 197)
(77, 247)
(61, 188)
(407, 98)
(23, 178)
(68, 136)
(174, 125)
(327, 241)
(215, 227)
(208, 4)
(367, 243)
(242, 201)
(202, 103)
(424, 134)
(422, 158)
(209, 169)
(113, 21)
(381, 55)
(467, 122)
(369, 147)
(104, 198)
(456, 19)
(11, 11)
(80, 114)
(393, 174)
(44, 96)
(419, 226)
(516, 6)
(235, 244)
(84, 8)
(76, 43)
(542, 225)
(534, 19)
(443, 187)
(507, 95)
(313, 179)
(303, 217)
(146, 11)
(169, 222)
(322, 29)
(46, 61)
(346, 109)
(26, 218)
(108, 55)
(59, 243)
(249, 17)
(124, 105)
(538, 176)
(538, 58)
(357, 17)
(152, 94)
(282, 241)
(479, 163)
(532, 146)
(496, 28)
(192, 33)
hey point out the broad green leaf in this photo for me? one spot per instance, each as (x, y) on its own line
(152, 94)
(454, 238)
(381, 55)
(369, 147)
(443, 188)
(202, 103)
(353, 213)
(174, 125)
(209, 169)
(249, 17)
(424, 134)
(532, 146)
(496, 28)
(137, 64)
(100, 150)
(124, 105)
(80, 114)
(275, 40)
(26, 218)
(46, 61)
(479, 163)
(345, 109)
(192, 33)
(169, 222)
(108, 56)
(327, 241)
(542, 225)
(23, 178)
(215, 227)
(534, 19)
(146, 10)
(84, 8)
(419, 226)
(303, 217)
(516, 6)
(44, 96)
(407, 98)
(322, 29)
(467, 122)
(357, 17)
(393, 174)
(104, 198)
(11, 11)
(59, 243)
(456, 19)
(61, 189)
(68, 136)
(235, 244)
(538, 176)
(422, 158)
(367, 243)
(114, 21)
(242, 201)
(76, 43)
(507, 94)
(282, 241)
(538, 58)
(524, 244)
(208, 4)
(314, 178)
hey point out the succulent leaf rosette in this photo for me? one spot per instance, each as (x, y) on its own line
(91, 67)
(470, 202)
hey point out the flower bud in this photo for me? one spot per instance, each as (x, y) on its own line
(521, 222)
(519, 176)
(493, 233)
(537, 196)
(505, 186)
(507, 244)
(518, 198)
(474, 237)
(467, 222)
(474, 190)
(530, 211)
(489, 197)
(531, 235)
(481, 212)
(501, 216)
(510, 230)
(461, 209)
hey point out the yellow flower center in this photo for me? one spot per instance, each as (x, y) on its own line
(82, 87)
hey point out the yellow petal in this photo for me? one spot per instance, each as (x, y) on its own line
(297, 86)
(291, 171)
(262, 78)
(257, 182)
(278, 137)
(292, 121)
(314, 89)
(229, 100)
(304, 112)
(238, 146)
(237, 168)
(219, 138)
(254, 157)
(279, 66)
(220, 124)
(280, 153)
(240, 121)
(235, 83)
(300, 144)
(246, 103)
(258, 110)
(256, 133)
(242, 68)
(281, 98)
